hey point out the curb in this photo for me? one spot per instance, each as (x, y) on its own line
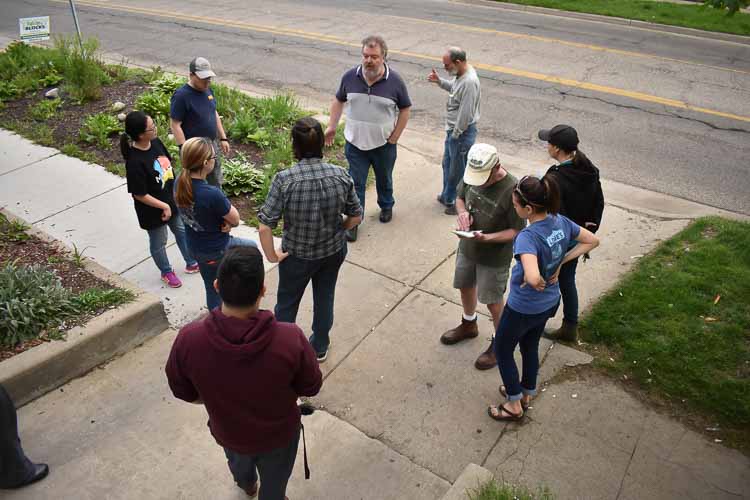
(470, 479)
(45, 367)
(679, 30)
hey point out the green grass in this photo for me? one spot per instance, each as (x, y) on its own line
(690, 16)
(679, 323)
(495, 490)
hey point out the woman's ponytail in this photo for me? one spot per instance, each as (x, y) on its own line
(124, 146)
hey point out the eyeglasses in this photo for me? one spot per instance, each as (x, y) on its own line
(152, 129)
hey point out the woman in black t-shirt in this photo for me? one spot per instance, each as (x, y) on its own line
(150, 181)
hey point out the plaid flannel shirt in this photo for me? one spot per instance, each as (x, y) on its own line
(311, 196)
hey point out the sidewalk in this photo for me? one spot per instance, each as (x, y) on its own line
(402, 415)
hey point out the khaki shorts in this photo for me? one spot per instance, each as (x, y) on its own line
(489, 281)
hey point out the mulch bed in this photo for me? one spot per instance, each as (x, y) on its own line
(68, 120)
(35, 251)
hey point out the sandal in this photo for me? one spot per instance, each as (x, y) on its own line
(504, 394)
(512, 417)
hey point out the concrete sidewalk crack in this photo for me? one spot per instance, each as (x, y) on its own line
(28, 164)
(627, 468)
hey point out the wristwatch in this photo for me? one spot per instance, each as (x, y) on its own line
(224, 140)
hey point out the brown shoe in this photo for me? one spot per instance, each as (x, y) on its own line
(466, 330)
(486, 360)
(568, 332)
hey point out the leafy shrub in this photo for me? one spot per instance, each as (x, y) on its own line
(168, 83)
(97, 129)
(46, 109)
(84, 71)
(25, 68)
(732, 6)
(31, 299)
(154, 103)
(269, 171)
(242, 126)
(279, 111)
(240, 176)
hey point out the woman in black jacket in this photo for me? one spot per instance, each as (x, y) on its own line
(582, 201)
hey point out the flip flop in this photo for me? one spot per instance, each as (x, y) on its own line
(512, 417)
(504, 394)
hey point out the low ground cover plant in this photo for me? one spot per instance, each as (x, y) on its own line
(498, 490)
(42, 291)
(679, 325)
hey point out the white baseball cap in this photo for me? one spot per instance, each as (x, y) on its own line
(481, 159)
(202, 68)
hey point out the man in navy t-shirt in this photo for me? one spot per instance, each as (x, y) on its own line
(193, 113)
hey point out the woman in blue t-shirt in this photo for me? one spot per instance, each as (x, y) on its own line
(539, 249)
(207, 213)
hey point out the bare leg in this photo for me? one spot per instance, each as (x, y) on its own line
(469, 300)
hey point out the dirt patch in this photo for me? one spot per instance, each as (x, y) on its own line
(709, 232)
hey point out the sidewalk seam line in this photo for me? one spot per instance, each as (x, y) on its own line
(80, 202)
(32, 163)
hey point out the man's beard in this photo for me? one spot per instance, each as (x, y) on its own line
(372, 73)
(453, 72)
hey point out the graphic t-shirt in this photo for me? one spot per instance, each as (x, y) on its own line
(549, 240)
(196, 110)
(150, 172)
(491, 209)
(204, 217)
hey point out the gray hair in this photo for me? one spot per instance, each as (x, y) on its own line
(373, 40)
(457, 54)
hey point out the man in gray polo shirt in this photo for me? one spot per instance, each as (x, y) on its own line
(460, 120)
(377, 109)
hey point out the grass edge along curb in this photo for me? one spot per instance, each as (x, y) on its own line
(677, 326)
(697, 17)
(501, 490)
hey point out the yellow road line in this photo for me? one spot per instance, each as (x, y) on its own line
(320, 37)
(536, 38)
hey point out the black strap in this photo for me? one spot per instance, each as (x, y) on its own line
(304, 453)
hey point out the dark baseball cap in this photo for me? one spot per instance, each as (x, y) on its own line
(202, 68)
(563, 136)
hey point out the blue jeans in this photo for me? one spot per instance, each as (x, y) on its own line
(157, 239)
(208, 263)
(382, 160)
(294, 275)
(568, 290)
(15, 468)
(525, 330)
(275, 467)
(454, 161)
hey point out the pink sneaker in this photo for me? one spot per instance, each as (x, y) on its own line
(171, 279)
(192, 269)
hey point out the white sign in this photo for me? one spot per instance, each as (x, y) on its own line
(34, 29)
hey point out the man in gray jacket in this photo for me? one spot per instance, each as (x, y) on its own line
(460, 120)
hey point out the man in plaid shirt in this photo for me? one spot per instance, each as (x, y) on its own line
(318, 204)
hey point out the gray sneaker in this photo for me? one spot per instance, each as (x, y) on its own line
(450, 210)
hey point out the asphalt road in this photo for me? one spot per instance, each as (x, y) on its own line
(666, 112)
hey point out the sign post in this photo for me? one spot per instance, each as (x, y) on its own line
(75, 20)
(34, 29)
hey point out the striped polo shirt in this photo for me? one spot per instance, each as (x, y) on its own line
(371, 111)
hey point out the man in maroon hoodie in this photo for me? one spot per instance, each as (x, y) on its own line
(248, 370)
